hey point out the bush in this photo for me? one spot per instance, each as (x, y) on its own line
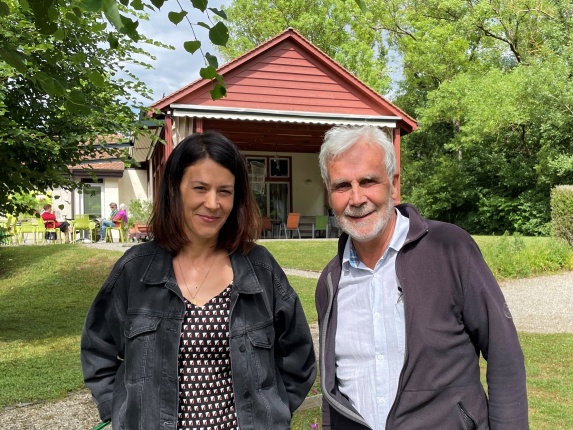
(139, 212)
(4, 235)
(562, 212)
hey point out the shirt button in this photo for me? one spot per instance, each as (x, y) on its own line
(376, 315)
(242, 348)
(380, 357)
(381, 400)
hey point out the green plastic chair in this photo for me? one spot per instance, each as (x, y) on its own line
(12, 223)
(82, 223)
(120, 228)
(25, 229)
(42, 230)
(320, 224)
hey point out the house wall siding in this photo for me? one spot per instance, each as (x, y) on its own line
(286, 78)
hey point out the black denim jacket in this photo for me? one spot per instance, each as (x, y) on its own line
(131, 335)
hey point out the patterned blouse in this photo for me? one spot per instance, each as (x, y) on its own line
(206, 400)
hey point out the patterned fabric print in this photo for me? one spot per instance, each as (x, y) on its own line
(206, 400)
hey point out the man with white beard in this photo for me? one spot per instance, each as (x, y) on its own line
(406, 307)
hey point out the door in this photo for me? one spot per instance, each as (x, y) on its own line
(91, 200)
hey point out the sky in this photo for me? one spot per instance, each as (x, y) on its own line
(174, 69)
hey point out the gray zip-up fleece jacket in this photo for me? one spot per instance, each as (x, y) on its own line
(454, 309)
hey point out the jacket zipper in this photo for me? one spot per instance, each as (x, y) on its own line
(401, 378)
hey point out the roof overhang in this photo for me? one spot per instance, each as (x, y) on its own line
(216, 112)
(144, 144)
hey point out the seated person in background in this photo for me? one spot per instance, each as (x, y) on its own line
(49, 218)
(116, 216)
(107, 222)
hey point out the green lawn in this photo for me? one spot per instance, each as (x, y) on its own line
(45, 292)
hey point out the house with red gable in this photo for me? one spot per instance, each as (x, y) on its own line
(282, 96)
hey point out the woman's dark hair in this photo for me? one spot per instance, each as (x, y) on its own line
(242, 227)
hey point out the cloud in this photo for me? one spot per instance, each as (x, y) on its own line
(173, 69)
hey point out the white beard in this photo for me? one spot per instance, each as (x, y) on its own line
(364, 231)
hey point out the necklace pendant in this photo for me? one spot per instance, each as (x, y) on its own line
(193, 301)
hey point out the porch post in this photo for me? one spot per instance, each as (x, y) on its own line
(397, 151)
(168, 136)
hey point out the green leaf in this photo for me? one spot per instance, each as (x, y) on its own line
(45, 26)
(13, 57)
(208, 72)
(199, 4)
(177, 17)
(192, 46)
(218, 12)
(53, 14)
(219, 34)
(157, 3)
(137, 4)
(59, 87)
(46, 83)
(204, 25)
(362, 5)
(96, 78)
(112, 13)
(212, 60)
(91, 5)
(4, 9)
(79, 58)
(60, 34)
(73, 17)
(218, 91)
(113, 41)
(220, 79)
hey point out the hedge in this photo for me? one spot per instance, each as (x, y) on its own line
(562, 212)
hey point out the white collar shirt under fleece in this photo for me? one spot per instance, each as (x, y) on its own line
(370, 335)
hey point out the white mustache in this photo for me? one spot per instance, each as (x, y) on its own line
(358, 211)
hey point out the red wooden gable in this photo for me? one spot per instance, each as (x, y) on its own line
(288, 73)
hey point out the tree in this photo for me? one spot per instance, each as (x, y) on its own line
(490, 83)
(60, 95)
(66, 85)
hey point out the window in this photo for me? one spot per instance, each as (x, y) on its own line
(279, 167)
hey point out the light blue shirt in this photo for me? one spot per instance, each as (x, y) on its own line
(370, 333)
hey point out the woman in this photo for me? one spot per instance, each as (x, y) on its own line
(199, 328)
(49, 218)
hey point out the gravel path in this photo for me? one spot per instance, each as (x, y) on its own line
(539, 305)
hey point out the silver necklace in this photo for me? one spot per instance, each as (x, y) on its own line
(192, 300)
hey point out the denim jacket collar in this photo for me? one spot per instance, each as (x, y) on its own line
(245, 280)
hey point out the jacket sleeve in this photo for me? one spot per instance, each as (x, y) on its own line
(100, 351)
(295, 355)
(488, 321)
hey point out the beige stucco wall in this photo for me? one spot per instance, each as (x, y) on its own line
(133, 185)
(111, 193)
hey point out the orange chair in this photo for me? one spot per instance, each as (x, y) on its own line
(291, 225)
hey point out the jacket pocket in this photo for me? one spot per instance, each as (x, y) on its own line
(262, 341)
(469, 423)
(140, 346)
